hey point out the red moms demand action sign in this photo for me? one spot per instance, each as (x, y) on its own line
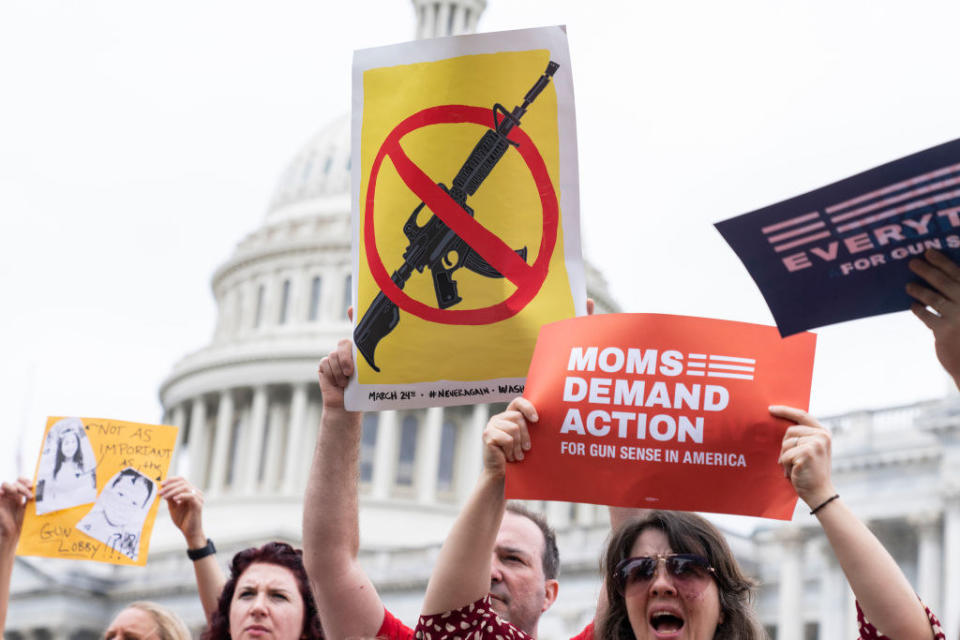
(661, 411)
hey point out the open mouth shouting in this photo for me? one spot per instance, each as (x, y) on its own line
(665, 622)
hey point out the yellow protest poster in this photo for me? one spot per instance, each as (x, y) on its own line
(465, 215)
(96, 487)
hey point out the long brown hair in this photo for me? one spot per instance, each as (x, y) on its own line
(686, 533)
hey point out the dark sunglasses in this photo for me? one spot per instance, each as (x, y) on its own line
(683, 567)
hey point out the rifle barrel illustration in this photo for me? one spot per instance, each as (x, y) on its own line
(431, 245)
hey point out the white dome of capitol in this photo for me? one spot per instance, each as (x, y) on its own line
(317, 180)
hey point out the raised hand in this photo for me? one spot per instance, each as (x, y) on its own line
(942, 275)
(805, 455)
(334, 373)
(506, 436)
(13, 505)
(185, 503)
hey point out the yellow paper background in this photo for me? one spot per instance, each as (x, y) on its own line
(507, 203)
(116, 445)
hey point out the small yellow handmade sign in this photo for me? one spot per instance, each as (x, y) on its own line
(96, 486)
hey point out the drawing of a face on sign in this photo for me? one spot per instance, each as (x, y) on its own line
(117, 517)
(67, 474)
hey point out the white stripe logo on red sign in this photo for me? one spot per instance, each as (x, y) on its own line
(712, 366)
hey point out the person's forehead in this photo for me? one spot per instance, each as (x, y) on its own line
(133, 620)
(651, 542)
(269, 575)
(520, 533)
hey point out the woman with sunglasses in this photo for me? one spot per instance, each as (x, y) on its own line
(672, 575)
(671, 572)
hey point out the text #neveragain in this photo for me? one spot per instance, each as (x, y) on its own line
(840, 252)
(658, 411)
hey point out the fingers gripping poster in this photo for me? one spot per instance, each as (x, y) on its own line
(662, 412)
(465, 215)
(96, 490)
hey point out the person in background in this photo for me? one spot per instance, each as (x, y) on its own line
(267, 595)
(146, 621)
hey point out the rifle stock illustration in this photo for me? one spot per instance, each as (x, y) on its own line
(429, 246)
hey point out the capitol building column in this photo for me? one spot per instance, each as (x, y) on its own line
(385, 454)
(832, 601)
(221, 441)
(558, 514)
(428, 455)
(439, 18)
(295, 423)
(179, 419)
(250, 471)
(277, 406)
(929, 550)
(951, 562)
(790, 597)
(470, 458)
(197, 463)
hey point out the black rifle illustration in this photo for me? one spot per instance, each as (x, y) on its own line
(431, 245)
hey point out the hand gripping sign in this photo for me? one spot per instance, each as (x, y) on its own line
(841, 252)
(96, 490)
(665, 412)
(464, 245)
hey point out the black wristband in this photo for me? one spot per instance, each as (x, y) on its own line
(824, 503)
(202, 552)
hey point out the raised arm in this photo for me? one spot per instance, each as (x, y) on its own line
(462, 573)
(346, 598)
(13, 504)
(942, 294)
(885, 596)
(185, 503)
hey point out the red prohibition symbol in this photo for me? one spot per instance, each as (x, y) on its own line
(527, 278)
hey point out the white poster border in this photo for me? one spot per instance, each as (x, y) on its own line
(367, 397)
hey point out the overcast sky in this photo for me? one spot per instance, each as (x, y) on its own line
(139, 142)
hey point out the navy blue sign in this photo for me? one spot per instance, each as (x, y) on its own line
(841, 252)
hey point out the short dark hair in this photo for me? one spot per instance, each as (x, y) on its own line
(551, 555)
(134, 476)
(278, 553)
(686, 533)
